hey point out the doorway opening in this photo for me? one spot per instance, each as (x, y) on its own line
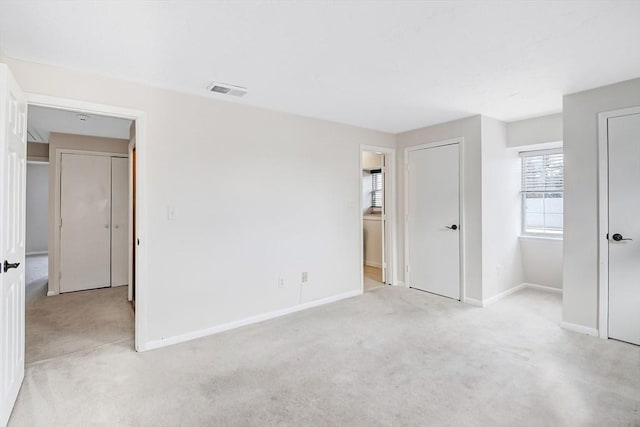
(79, 228)
(377, 210)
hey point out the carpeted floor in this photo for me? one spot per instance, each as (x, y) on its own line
(63, 324)
(392, 356)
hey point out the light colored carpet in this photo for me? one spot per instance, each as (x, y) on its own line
(392, 356)
(67, 323)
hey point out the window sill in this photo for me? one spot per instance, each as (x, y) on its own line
(541, 238)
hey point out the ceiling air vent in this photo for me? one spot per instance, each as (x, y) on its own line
(227, 89)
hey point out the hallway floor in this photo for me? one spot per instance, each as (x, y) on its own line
(392, 356)
(372, 278)
(64, 324)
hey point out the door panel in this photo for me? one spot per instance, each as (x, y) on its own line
(624, 211)
(119, 221)
(433, 204)
(13, 161)
(85, 210)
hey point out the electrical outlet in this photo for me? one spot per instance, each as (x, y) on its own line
(281, 282)
(305, 276)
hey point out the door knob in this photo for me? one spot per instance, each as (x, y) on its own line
(618, 237)
(453, 227)
(8, 265)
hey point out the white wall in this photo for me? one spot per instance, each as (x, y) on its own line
(37, 207)
(538, 130)
(501, 211)
(542, 261)
(580, 252)
(470, 129)
(257, 194)
(541, 258)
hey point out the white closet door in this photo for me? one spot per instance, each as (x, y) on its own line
(119, 221)
(85, 208)
(624, 228)
(433, 220)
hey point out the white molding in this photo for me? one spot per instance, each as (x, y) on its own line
(390, 237)
(603, 215)
(501, 295)
(150, 345)
(473, 301)
(141, 190)
(542, 288)
(373, 264)
(52, 293)
(491, 300)
(36, 253)
(579, 328)
(461, 208)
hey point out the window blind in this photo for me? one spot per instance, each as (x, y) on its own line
(376, 188)
(542, 172)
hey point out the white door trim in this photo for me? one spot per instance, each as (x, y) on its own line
(390, 238)
(141, 336)
(461, 226)
(603, 215)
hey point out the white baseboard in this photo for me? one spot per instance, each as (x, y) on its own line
(52, 293)
(498, 297)
(36, 253)
(401, 283)
(542, 288)
(473, 301)
(373, 264)
(579, 328)
(150, 345)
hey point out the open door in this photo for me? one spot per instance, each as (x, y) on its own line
(13, 167)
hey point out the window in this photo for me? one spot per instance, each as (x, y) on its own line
(542, 192)
(376, 188)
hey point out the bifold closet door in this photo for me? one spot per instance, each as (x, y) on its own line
(119, 221)
(85, 229)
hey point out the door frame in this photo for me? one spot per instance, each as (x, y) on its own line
(603, 215)
(390, 238)
(461, 226)
(54, 282)
(141, 335)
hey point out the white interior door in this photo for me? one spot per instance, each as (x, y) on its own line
(433, 198)
(119, 221)
(85, 230)
(13, 161)
(624, 228)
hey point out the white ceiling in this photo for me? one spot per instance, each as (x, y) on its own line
(391, 66)
(42, 121)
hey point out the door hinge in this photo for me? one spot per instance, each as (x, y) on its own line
(60, 223)
(408, 268)
(59, 275)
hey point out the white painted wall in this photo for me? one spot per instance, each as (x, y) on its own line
(37, 207)
(541, 258)
(538, 130)
(501, 211)
(257, 194)
(542, 261)
(580, 252)
(470, 129)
